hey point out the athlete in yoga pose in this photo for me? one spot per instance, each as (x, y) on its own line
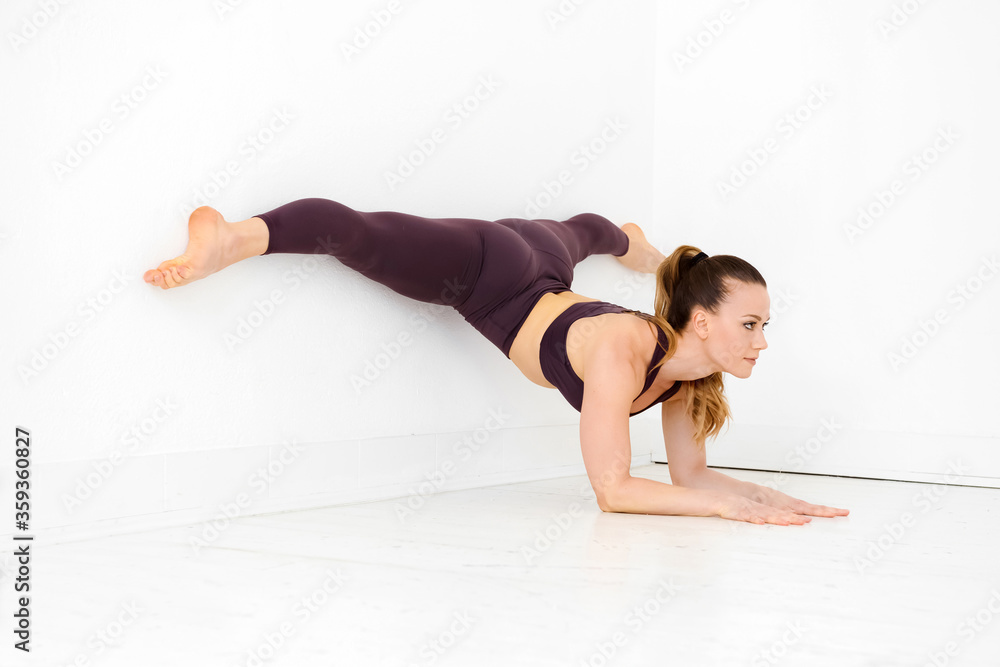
(510, 279)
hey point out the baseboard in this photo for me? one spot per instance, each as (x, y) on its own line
(849, 452)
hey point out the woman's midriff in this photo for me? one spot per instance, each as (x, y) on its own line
(524, 350)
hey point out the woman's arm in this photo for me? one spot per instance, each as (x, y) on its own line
(613, 377)
(686, 459)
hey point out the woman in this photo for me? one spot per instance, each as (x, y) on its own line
(510, 279)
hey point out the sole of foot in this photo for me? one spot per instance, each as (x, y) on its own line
(208, 234)
(649, 259)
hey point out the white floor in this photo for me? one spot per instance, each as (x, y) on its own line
(535, 574)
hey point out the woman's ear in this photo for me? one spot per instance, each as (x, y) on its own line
(699, 323)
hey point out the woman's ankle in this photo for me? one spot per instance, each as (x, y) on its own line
(249, 238)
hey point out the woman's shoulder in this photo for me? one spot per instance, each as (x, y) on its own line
(613, 335)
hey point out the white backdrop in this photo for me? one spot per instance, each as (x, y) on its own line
(849, 152)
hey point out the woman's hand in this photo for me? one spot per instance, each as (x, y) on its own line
(774, 498)
(740, 508)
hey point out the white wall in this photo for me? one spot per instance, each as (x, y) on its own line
(896, 80)
(163, 101)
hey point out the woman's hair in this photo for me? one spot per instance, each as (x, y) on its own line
(679, 288)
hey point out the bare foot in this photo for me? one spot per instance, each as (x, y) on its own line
(209, 249)
(641, 255)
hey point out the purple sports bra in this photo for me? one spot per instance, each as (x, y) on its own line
(555, 362)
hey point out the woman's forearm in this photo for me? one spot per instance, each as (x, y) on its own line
(717, 481)
(637, 495)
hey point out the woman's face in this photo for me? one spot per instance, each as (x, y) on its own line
(736, 333)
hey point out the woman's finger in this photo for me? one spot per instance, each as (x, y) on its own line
(820, 510)
(779, 516)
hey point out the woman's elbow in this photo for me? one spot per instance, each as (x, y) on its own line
(610, 499)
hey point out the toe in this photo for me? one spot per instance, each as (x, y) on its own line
(170, 276)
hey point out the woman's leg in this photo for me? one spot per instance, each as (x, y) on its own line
(591, 234)
(427, 259)
(213, 244)
(431, 260)
(405, 242)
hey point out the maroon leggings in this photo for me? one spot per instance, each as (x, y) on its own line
(492, 273)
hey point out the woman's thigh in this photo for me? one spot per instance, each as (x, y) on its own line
(427, 259)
